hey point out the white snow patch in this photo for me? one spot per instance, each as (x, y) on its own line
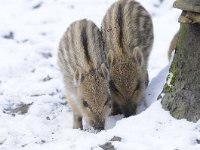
(29, 36)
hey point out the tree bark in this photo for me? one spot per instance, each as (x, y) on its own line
(189, 5)
(182, 89)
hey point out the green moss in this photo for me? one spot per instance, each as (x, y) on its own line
(168, 89)
(173, 79)
(168, 77)
(170, 82)
(174, 68)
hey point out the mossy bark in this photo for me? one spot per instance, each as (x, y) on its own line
(182, 90)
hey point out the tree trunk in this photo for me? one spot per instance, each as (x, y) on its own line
(182, 89)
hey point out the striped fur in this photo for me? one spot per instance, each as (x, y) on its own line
(127, 25)
(80, 58)
(81, 46)
(128, 37)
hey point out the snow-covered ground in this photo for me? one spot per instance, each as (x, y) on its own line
(33, 112)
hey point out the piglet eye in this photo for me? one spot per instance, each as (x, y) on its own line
(85, 104)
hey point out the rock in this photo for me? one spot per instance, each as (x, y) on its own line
(116, 138)
(10, 35)
(47, 55)
(198, 141)
(47, 78)
(37, 6)
(107, 146)
(21, 109)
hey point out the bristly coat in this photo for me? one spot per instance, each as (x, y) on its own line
(81, 60)
(128, 38)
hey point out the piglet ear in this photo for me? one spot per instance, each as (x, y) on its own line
(138, 56)
(104, 72)
(78, 77)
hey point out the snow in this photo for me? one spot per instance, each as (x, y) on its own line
(30, 75)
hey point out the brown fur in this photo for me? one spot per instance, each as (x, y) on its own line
(128, 35)
(172, 45)
(80, 58)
